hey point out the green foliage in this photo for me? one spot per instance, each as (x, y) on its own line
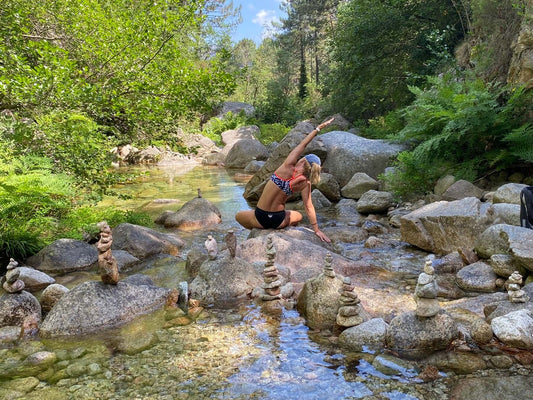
(380, 47)
(217, 126)
(272, 132)
(32, 200)
(384, 126)
(411, 176)
(81, 222)
(463, 126)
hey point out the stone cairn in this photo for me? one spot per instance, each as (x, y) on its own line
(271, 276)
(11, 282)
(426, 292)
(350, 311)
(328, 269)
(516, 294)
(106, 261)
(211, 246)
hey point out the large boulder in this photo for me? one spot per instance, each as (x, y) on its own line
(348, 153)
(319, 301)
(507, 239)
(255, 185)
(196, 214)
(515, 329)
(244, 151)
(94, 306)
(65, 255)
(232, 136)
(300, 252)
(414, 337)
(20, 309)
(329, 187)
(443, 227)
(225, 281)
(508, 193)
(142, 242)
(462, 189)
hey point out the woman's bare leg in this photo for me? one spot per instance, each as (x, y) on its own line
(247, 219)
(292, 218)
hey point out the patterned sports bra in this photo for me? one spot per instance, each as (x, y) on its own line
(283, 184)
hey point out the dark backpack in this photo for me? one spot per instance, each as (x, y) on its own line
(526, 207)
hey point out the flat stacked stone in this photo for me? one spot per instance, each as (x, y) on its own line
(350, 313)
(272, 281)
(513, 285)
(426, 292)
(11, 282)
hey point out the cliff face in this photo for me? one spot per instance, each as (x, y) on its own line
(521, 67)
(500, 41)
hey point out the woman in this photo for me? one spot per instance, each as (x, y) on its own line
(294, 175)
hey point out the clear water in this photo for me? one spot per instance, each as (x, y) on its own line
(231, 354)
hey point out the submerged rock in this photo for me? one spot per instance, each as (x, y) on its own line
(224, 281)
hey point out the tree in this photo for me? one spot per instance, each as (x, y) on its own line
(379, 47)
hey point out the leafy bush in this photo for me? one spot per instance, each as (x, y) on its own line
(411, 176)
(217, 126)
(465, 127)
(81, 222)
(272, 132)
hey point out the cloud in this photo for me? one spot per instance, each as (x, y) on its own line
(265, 19)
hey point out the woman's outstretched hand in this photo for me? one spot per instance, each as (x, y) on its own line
(322, 236)
(326, 123)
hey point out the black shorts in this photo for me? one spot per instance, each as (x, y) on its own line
(269, 219)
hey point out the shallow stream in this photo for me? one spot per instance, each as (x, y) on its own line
(232, 354)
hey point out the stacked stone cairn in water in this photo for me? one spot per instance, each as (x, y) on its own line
(351, 312)
(271, 276)
(426, 292)
(328, 269)
(11, 282)
(516, 294)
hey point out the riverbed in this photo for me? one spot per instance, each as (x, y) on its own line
(240, 353)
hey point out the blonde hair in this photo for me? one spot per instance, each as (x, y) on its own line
(312, 172)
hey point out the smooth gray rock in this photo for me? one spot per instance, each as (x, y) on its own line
(94, 306)
(508, 193)
(348, 153)
(65, 255)
(443, 227)
(515, 329)
(225, 281)
(415, 337)
(369, 335)
(244, 151)
(195, 214)
(477, 277)
(142, 242)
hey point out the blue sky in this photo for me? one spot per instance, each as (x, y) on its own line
(257, 17)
